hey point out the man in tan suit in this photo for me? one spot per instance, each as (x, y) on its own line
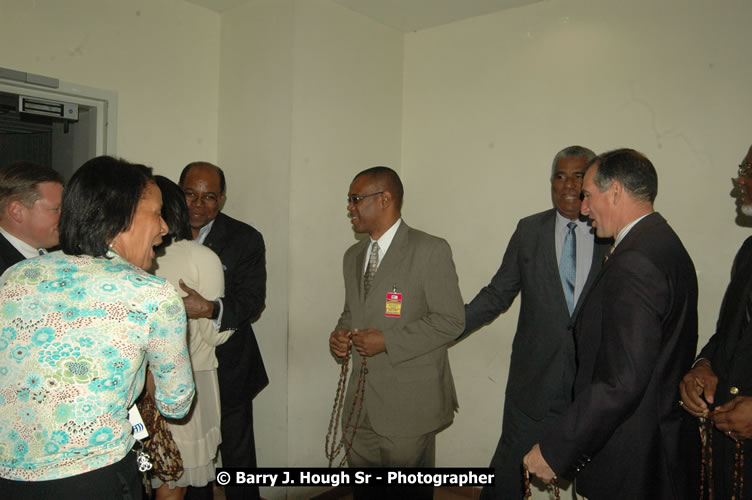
(402, 307)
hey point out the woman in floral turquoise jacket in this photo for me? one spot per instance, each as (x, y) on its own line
(77, 329)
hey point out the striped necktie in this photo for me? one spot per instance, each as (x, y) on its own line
(373, 264)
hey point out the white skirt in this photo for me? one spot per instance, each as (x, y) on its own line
(198, 435)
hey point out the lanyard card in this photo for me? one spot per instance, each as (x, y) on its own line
(393, 305)
(139, 429)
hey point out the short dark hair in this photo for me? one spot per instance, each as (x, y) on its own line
(571, 152)
(389, 179)
(174, 211)
(631, 168)
(19, 181)
(99, 203)
(208, 165)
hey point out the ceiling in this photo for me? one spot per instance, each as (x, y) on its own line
(403, 15)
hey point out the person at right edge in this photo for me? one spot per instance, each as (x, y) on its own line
(636, 336)
(241, 371)
(719, 385)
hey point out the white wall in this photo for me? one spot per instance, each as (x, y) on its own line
(347, 114)
(310, 94)
(161, 57)
(254, 143)
(490, 100)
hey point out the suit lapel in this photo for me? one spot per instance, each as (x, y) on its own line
(645, 224)
(216, 237)
(360, 262)
(551, 263)
(8, 253)
(393, 256)
(740, 300)
(600, 247)
(549, 246)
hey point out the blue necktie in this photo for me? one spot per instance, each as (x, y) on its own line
(568, 266)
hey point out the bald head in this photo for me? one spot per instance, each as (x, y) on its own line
(204, 165)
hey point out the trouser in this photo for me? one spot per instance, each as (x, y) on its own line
(371, 449)
(120, 480)
(518, 435)
(238, 446)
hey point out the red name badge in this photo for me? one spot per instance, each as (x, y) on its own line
(393, 305)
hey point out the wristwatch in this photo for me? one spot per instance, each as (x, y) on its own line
(215, 311)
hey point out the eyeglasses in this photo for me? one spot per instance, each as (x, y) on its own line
(356, 199)
(744, 169)
(209, 199)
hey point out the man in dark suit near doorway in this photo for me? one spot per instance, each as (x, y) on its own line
(241, 370)
(542, 367)
(636, 335)
(30, 196)
(722, 374)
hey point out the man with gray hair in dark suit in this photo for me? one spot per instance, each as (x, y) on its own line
(550, 259)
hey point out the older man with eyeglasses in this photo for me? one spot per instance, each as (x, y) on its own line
(719, 385)
(241, 370)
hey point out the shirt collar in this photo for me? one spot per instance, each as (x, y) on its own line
(24, 248)
(204, 232)
(625, 230)
(561, 223)
(386, 239)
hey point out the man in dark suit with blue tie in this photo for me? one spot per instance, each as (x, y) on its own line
(550, 259)
(30, 197)
(241, 369)
(636, 335)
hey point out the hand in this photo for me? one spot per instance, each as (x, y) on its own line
(536, 464)
(195, 305)
(699, 381)
(150, 387)
(339, 342)
(368, 342)
(735, 417)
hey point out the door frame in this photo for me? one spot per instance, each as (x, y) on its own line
(104, 102)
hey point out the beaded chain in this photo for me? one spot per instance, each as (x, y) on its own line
(739, 470)
(529, 493)
(706, 462)
(333, 446)
(706, 438)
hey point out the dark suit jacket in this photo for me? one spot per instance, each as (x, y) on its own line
(636, 334)
(8, 254)
(543, 343)
(409, 388)
(729, 351)
(241, 249)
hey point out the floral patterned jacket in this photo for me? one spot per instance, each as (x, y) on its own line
(76, 333)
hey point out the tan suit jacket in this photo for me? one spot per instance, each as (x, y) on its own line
(409, 388)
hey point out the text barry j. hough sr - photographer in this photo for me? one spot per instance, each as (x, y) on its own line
(372, 476)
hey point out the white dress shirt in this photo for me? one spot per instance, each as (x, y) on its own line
(384, 242)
